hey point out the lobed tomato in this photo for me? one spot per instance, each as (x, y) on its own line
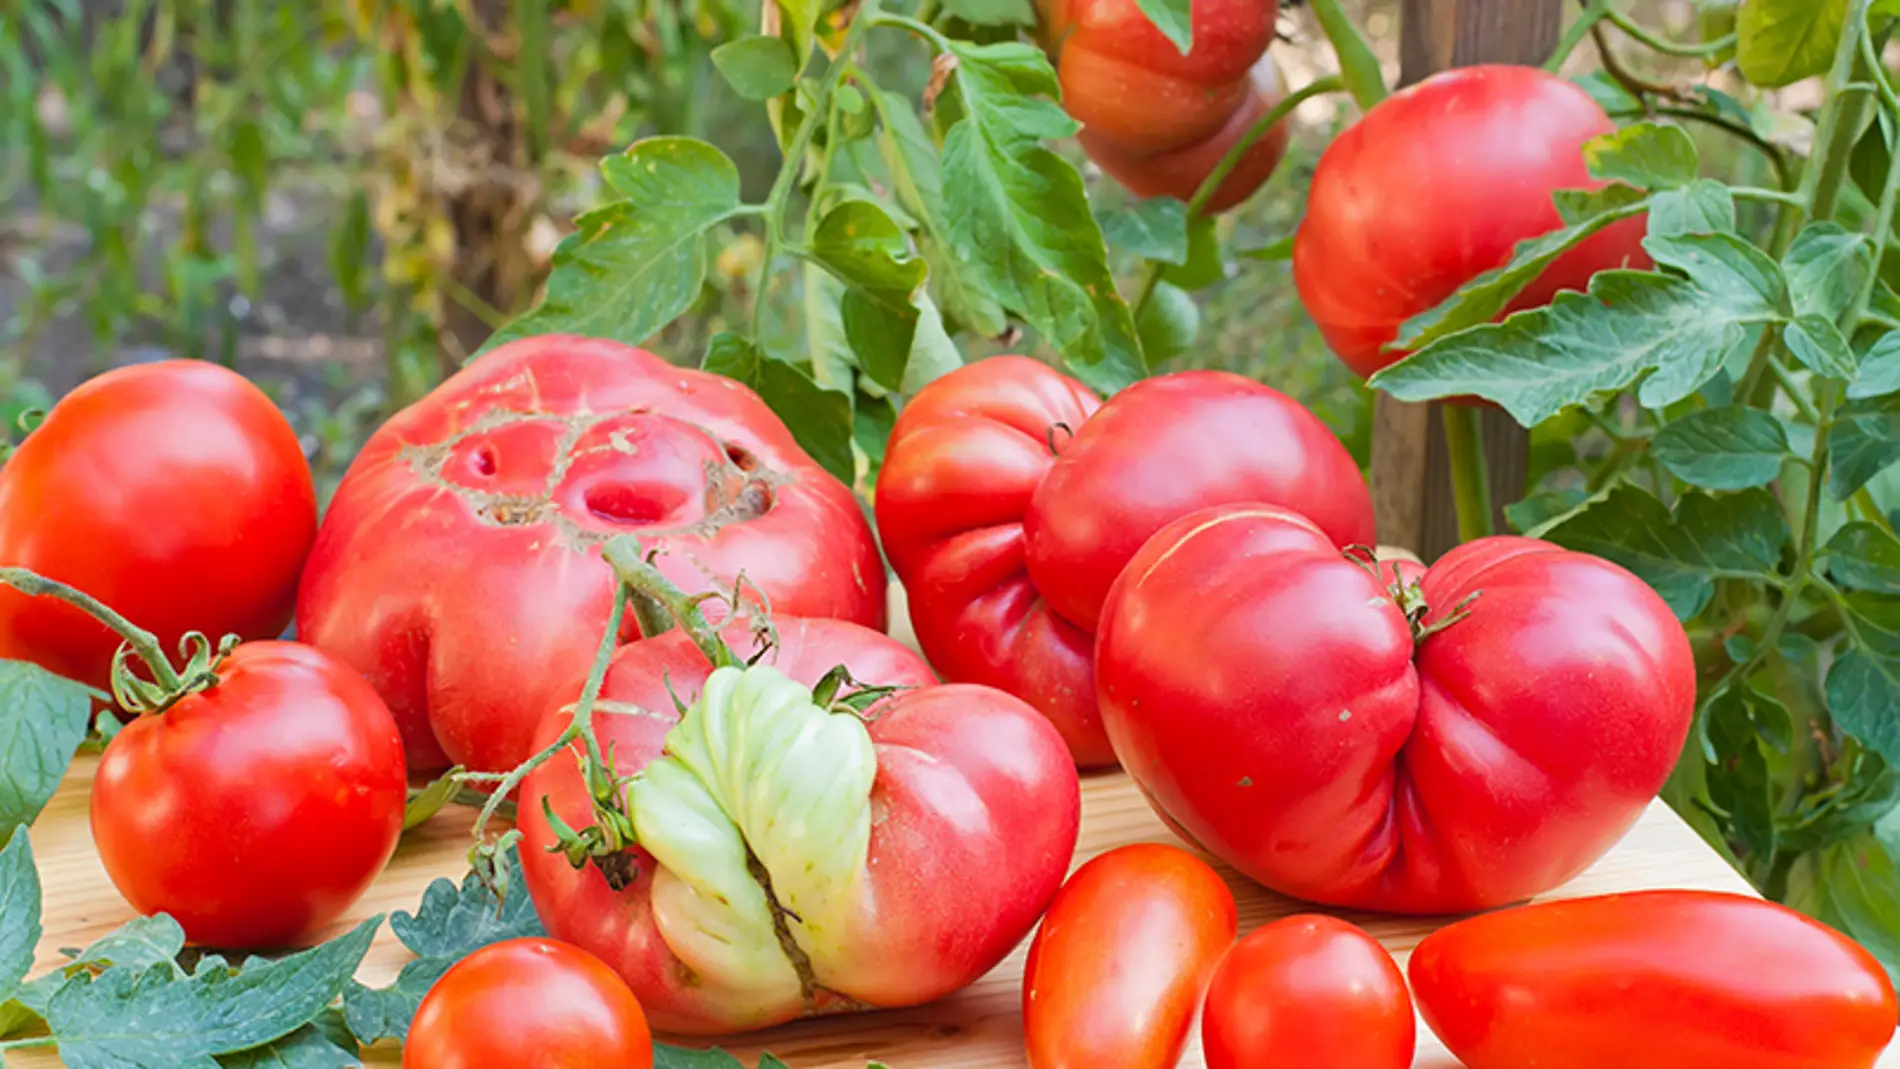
(1437, 185)
(176, 493)
(459, 565)
(257, 810)
(1118, 968)
(1654, 980)
(530, 1003)
(1310, 990)
(1343, 736)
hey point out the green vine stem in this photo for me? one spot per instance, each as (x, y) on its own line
(1594, 12)
(1648, 40)
(1210, 185)
(1470, 481)
(1358, 66)
(142, 643)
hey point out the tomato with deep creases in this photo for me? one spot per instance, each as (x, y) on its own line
(1119, 966)
(529, 1004)
(1156, 120)
(1437, 185)
(257, 810)
(1653, 980)
(1309, 990)
(459, 564)
(175, 492)
(1009, 501)
(1462, 742)
(931, 832)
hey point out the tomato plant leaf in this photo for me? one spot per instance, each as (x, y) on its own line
(1820, 346)
(1727, 268)
(1680, 555)
(1541, 361)
(1704, 206)
(1863, 689)
(1169, 323)
(1580, 205)
(1174, 18)
(670, 1057)
(1826, 268)
(1780, 42)
(1861, 888)
(1153, 229)
(1879, 369)
(309, 1047)
(872, 418)
(1279, 251)
(632, 266)
(20, 905)
(1017, 213)
(993, 12)
(1864, 556)
(1481, 299)
(1202, 267)
(428, 801)
(42, 722)
(797, 22)
(757, 67)
(1646, 155)
(1733, 741)
(1863, 440)
(865, 249)
(819, 418)
(1730, 448)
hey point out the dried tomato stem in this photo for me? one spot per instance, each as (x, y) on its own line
(639, 577)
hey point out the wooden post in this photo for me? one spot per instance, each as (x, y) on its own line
(1411, 481)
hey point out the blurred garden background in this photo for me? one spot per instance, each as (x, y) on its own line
(341, 198)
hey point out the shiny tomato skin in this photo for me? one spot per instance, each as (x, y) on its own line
(977, 807)
(1267, 695)
(257, 811)
(176, 493)
(1437, 185)
(529, 1004)
(1179, 172)
(459, 565)
(1122, 959)
(1309, 990)
(1654, 980)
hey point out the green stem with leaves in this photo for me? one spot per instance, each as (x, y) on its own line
(144, 644)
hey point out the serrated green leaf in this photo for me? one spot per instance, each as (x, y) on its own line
(378, 1013)
(1730, 448)
(42, 722)
(634, 265)
(993, 12)
(1745, 792)
(1017, 213)
(1861, 886)
(308, 1047)
(1169, 323)
(858, 242)
(1826, 268)
(1863, 690)
(873, 419)
(1820, 347)
(138, 944)
(1862, 442)
(20, 905)
(1864, 556)
(1704, 206)
(1481, 299)
(757, 67)
(1541, 361)
(1611, 95)
(1727, 268)
(1530, 515)
(1780, 42)
(1202, 267)
(1879, 372)
(1153, 229)
(670, 1057)
(819, 418)
(1680, 555)
(1579, 205)
(1174, 18)
(1646, 155)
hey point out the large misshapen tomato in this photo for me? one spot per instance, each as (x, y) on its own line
(1268, 695)
(1437, 185)
(1008, 504)
(459, 565)
(939, 833)
(174, 492)
(1154, 119)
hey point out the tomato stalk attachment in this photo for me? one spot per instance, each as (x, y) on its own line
(130, 691)
(1408, 594)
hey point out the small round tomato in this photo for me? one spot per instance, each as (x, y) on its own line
(1122, 959)
(1179, 172)
(1310, 990)
(529, 1004)
(175, 492)
(257, 810)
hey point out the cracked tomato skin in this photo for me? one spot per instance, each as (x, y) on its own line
(257, 811)
(975, 810)
(459, 565)
(1266, 694)
(1437, 185)
(529, 1003)
(176, 493)
(1654, 980)
(1008, 504)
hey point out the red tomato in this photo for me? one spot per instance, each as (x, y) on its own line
(1434, 187)
(1273, 703)
(1157, 120)
(975, 809)
(1122, 959)
(1008, 504)
(254, 812)
(459, 566)
(1310, 990)
(174, 492)
(529, 1004)
(1654, 980)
